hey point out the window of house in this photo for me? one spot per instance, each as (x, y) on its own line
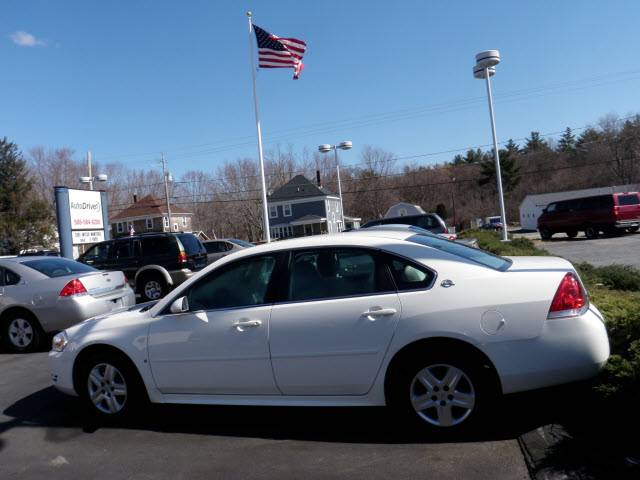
(184, 221)
(273, 211)
(165, 221)
(175, 227)
(149, 222)
(120, 227)
(286, 210)
(241, 284)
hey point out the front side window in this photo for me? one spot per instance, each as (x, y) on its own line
(98, 252)
(336, 272)
(240, 284)
(551, 208)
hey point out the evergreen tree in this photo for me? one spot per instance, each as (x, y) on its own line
(441, 210)
(535, 143)
(567, 142)
(509, 170)
(512, 147)
(24, 219)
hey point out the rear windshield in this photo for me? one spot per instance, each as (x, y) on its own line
(469, 253)
(631, 199)
(242, 243)
(58, 267)
(191, 244)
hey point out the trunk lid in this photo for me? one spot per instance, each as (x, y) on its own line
(542, 263)
(99, 284)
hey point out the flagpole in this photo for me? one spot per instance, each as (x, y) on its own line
(265, 209)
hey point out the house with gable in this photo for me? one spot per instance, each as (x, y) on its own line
(301, 208)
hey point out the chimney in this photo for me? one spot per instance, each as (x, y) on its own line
(318, 178)
(135, 198)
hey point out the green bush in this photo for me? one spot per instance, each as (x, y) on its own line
(490, 241)
(615, 277)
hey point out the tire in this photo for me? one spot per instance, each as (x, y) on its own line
(545, 233)
(421, 394)
(21, 332)
(572, 233)
(152, 286)
(591, 232)
(632, 229)
(110, 386)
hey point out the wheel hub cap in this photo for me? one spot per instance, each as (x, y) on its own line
(152, 290)
(107, 388)
(20, 332)
(442, 395)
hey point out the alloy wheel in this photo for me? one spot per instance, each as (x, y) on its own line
(153, 289)
(20, 333)
(107, 388)
(442, 395)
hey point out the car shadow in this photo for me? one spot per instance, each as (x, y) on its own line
(511, 417)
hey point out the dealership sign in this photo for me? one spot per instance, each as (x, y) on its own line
(85, 208)
(87, 236)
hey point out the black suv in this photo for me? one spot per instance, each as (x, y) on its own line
(154, 263)
(428, 221)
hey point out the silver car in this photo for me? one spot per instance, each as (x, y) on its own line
(216, 249)
(40, 294)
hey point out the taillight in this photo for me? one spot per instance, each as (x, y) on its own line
(74, 287)
(182, 257)
(570, 299)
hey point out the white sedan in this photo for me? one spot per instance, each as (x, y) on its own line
(430, 327)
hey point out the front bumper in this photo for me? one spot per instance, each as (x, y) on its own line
(567, 350)
(61, 371)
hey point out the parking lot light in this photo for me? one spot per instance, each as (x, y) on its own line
(326, 148)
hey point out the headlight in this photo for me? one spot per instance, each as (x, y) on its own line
(60, 341)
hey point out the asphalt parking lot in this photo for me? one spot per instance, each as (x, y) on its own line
(605, 250)
(45, 434)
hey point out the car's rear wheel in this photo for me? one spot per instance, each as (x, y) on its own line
(153, 287)
(633, 229)
(572, 233)
(443, 393)
(21, 332)
(591, 232)
(545, 233)
(110, 386)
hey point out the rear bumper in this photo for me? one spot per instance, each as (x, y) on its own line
(72, 310)
(627, 223)
(567, 350)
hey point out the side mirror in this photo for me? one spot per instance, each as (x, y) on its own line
(179, 305)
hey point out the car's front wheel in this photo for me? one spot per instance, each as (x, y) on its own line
(110, 386)
(545, 233)
(441, 392)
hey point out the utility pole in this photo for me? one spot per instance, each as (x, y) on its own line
(90, 172)
(165, 175)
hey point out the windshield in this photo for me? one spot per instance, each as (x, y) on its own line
(58, 267)
(242, 243)
(454, 248)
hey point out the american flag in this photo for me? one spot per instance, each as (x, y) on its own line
(275, 52)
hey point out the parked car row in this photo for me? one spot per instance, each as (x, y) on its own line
(612, 213)
(428, 221)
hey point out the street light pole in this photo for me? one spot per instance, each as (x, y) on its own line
(485, 68)
(325, 148)
(166, 190)
(90, 173)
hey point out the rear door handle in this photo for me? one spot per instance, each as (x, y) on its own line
(242, 325)
(374, 312)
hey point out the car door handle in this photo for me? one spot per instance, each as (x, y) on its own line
(374, 312)
(242, 325)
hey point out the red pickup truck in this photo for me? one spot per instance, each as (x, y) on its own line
(611, 213)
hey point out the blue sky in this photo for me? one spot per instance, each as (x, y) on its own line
(129, 79)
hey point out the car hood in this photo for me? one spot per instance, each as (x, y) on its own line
(120, 318)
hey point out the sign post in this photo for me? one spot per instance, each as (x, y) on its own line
(82, 218)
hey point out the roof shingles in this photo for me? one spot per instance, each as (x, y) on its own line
(148, 206)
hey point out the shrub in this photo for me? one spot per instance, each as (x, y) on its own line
(490, 241)
(615, 277)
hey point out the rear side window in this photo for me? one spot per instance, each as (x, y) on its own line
(122, 250)
(242, 243)
(158, 245)
(98, 252)
(408, 275)
(474, 254)
(631, 199)
(7, 277)
(191, 244)
(58, 267)
(336, 272)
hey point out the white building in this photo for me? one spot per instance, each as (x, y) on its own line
(532, 205)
